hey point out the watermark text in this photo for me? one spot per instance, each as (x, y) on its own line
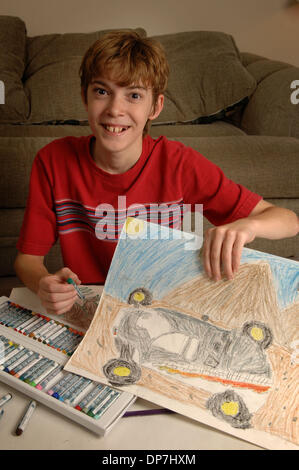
(176, 221)
(295, 94)
(2, 92)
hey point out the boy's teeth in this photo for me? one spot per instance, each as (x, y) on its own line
(114, 129)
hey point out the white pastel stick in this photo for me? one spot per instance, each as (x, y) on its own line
(5, 399)
(25, 420)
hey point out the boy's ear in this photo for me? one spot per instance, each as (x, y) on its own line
(157, 108)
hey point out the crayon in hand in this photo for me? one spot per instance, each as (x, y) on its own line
(71, 281)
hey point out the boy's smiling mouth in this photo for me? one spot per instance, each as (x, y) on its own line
(115, 129)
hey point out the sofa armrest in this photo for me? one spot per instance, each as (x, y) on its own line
(272, 109)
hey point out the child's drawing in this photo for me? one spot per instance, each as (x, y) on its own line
(83, 311)
(222, 353)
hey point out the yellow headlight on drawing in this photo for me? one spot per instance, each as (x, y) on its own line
(257, 333)
(122, 371)
(230, 408)
(139, 296)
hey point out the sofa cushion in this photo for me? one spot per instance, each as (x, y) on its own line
(206, 75)
(8, 253)
(262, 68)
(52, 75)
(215, 129)
(270, 110)
(248, 58)
(43, 130)
(16, 156)
(7, 283)
(12, 64)
(266, 165)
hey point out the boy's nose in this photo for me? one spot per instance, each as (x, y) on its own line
(115, 106)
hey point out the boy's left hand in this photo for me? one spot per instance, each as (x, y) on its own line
(222, 248)
(223, 245)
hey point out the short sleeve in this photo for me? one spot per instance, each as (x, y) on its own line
(38, 233)
(223, 200)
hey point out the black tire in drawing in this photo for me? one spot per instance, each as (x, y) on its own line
(240, 419)
(140, 296)
(266, 337)
(121, 372)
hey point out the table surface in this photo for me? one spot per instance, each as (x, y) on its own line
(49, 430)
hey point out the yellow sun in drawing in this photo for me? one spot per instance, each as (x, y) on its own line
(134, 226)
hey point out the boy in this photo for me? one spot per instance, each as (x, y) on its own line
(75, 182)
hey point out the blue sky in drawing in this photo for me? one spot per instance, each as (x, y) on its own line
(160, 265)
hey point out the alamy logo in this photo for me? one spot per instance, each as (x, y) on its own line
(2, 92)
(295, 94)
(170, 215)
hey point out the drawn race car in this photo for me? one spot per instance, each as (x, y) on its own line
(172, 341)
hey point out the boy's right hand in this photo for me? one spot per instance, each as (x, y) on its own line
(57, 296)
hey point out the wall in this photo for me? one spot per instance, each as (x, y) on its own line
(265, 27)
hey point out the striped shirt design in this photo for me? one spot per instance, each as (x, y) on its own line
(105, 222)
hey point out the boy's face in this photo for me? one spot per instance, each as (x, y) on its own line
(117, 115)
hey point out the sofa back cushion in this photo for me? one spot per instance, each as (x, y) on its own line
(273, 108)
(207, 76)
(12, 65)
(52, 75)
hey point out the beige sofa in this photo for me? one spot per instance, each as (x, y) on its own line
(233, 107)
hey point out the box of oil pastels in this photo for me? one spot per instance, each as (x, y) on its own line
(33, 351)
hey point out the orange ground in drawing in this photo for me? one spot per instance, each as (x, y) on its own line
(233, 383)
(280, 413)
(173, 389)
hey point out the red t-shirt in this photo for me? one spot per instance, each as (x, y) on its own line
(71, 198)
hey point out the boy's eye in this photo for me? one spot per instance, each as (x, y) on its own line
(135, 96)
(100, 91)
